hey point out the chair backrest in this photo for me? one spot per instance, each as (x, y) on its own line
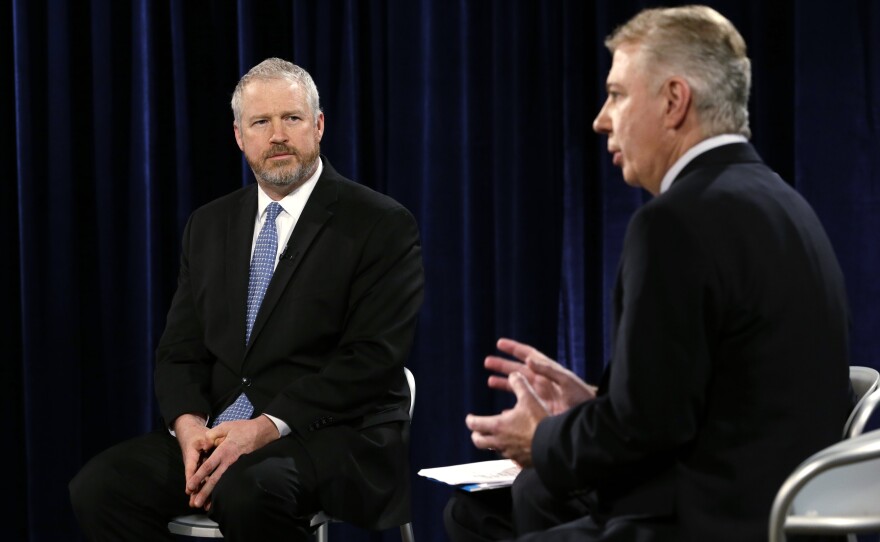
(862, 413)
(864, 380)
(411, 380)
(835, 491)
(866, 385)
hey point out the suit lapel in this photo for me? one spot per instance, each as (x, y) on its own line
(312, 220)
(239, 239)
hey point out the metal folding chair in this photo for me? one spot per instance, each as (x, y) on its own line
(836, 491)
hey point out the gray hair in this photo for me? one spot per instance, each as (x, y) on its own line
(700, 45)
(276, 68)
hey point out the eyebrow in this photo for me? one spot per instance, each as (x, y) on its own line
(287, 113)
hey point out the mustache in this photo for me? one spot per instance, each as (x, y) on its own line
(275, 150)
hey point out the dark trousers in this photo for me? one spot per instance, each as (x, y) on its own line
(528, 512)
(509, 513)
(130, 491)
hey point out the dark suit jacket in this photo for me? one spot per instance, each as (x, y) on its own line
(730, 358)
(328, 347)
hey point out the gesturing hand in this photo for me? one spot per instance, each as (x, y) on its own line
(558, 387)
(510, 433)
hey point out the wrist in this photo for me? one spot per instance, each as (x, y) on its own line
(189, 419)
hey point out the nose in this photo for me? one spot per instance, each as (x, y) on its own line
(278, 133)
(602, 122)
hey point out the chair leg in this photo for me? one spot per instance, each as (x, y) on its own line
(406, 533)
(321, 532)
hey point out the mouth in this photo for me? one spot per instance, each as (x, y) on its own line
(282, 156)
(616, 156)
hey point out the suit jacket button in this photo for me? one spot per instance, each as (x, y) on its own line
(246, 382)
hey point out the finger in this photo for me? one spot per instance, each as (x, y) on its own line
(204, 494)
(548, 368)
(525, 393)
(501, 365)
(521, 387)
(190, 462)
(193, 500)
(195, 482)
(514, 348)
(215, 433)
(499, 383)
(483, 424)
(520, 351)
(200, 498)
(484, 442)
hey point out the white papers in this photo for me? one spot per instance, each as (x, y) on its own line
(475, 476)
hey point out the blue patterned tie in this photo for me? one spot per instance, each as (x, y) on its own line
(262, 268)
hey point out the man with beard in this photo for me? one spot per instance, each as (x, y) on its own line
(280, 373)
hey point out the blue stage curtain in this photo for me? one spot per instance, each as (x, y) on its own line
(474, 114)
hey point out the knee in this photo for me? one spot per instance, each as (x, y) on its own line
(251, 490)
(232, 493)
(91, 488)
(462, 511)
(450, 520)
(478, 516)
(528, 491)
(457, 527)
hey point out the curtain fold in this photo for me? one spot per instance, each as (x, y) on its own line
(476, 115)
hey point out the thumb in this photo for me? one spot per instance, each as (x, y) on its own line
(215, 433)
(526, 396)
(547, 368)
(522, 388)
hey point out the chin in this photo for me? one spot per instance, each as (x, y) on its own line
(630, 180)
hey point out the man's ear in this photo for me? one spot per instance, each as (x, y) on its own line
(237, 131)
(319, 125)
(679, 101)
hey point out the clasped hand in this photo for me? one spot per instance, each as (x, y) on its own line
(207, 453)
(542, 387)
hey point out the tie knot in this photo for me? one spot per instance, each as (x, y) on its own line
(273, 210)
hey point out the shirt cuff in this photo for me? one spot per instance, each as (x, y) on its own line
(283, 428)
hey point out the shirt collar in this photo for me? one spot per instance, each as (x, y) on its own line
(696, 150)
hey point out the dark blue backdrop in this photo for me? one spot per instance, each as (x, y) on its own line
(475, 114)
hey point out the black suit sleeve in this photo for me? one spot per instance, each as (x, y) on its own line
(183, 366)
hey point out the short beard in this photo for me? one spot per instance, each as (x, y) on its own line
(286, 176)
